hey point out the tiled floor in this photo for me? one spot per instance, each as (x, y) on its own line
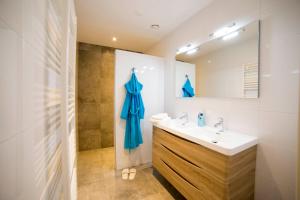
(97, 180)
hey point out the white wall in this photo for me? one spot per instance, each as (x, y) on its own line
(273, 117)
(150, 72)
(221, 73)
(33, 137)
(182, 69)
(70, 108)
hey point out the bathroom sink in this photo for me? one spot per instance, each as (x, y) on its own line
(227, 142)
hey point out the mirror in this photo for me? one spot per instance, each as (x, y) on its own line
(225, 66)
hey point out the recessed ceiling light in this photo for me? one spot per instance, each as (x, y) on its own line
(114, 39)
(155, 26)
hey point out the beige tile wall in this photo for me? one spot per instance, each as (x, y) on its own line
(95, 96)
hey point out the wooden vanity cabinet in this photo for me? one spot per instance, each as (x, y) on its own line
(200, 173)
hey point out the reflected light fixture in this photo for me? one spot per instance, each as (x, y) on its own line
(192, 51)
(114, 39)
(184, 49)
(223, 31)
(231, 35)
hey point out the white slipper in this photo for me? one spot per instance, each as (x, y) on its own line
(125, 173)
(132, 173)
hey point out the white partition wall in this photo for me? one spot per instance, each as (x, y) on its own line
(150, 72)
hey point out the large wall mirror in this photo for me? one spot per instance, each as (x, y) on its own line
(225, 66)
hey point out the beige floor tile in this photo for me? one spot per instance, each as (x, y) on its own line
(97, 180)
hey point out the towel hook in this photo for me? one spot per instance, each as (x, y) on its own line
(186, 76)
(132, 70)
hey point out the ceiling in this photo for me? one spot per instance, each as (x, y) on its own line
(130, 20)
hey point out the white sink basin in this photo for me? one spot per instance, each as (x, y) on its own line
(227, 142)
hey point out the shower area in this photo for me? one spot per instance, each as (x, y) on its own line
(95, 81)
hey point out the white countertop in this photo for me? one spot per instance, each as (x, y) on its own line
(228, 143)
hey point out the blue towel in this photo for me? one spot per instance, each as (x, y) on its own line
(133, 111)
(187, 89)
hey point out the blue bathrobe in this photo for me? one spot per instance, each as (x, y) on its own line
(188, 90)
(133, 111)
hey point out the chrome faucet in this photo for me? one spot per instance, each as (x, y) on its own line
(220, 124)
(184, 116)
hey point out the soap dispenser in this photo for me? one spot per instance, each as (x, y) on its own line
(201, 119)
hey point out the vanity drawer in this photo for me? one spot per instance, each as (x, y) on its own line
(212, 162)
(210, 187)
(183, 186)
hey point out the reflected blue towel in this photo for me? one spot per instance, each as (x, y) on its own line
(187, 89)
(133, 111)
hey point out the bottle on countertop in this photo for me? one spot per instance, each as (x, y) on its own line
(201, 119)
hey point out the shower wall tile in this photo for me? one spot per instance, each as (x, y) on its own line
(107, 140)
(107, 86)
(105, 110)
(107, 123)
(89, 139)
(88, 116)
(89, 95)
(95, 96)
(107, 65)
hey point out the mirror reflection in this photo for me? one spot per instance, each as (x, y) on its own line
(225, 66)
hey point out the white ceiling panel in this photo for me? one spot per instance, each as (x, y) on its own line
(130, 20)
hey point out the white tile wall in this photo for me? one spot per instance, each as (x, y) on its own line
(273, 117)
(70, 103)
(8, 166)
(28, 86)
(10, 71)
(11, 12)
